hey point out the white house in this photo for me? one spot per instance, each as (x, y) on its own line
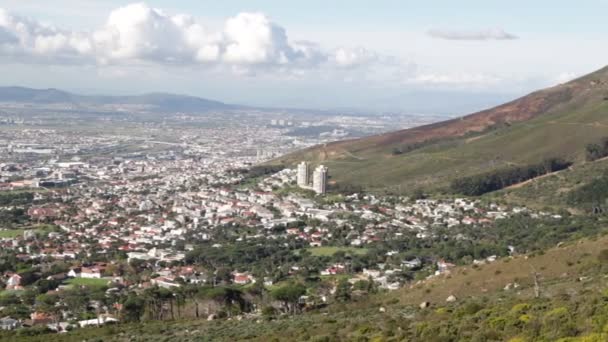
(93, 273)
(14, 282)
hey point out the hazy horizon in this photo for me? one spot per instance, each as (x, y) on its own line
(388, 56)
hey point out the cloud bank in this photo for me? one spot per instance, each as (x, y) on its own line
(487, 34)
(140, 33)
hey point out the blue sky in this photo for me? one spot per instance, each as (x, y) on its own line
(360, 54)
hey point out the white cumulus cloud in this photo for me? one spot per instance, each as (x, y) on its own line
(23, 37)
(140, 33)
(348, 58)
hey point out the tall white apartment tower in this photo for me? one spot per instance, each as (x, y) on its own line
(319, 180)
(302, 176)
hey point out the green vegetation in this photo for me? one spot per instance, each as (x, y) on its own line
(329, 251)
(16, 198)
(499, 179)
(597, 151)
(253, 175)
(8, 293)
(38, 229)
(13, 217)
(566, 121)
(259, 171)
(593, 196)
(568, 308)
(288, 190)
(11, 233)
(289, 295)
(566, 190)
(92, 282)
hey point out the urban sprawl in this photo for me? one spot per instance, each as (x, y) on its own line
(100, 227)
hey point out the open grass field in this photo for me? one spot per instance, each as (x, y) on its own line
(11, 233)
(87, 282)
(329, 251)
(8, 233)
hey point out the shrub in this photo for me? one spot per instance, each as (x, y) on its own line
(603, 256)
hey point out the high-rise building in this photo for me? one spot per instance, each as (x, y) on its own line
(319, 180)
(302, 176)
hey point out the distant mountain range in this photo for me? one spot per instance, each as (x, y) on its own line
(159, 102)
(555, 122)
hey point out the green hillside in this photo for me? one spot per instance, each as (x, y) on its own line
(557, 122)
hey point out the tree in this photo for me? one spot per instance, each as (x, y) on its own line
(76, 300)
(371, 285)
(166, 295)
(153, 303)
(132, 308)
(597, 151)
(225, 296)
(46, 285)
(29, 277)
(29, 296)
(9, 299)
(257, 291)
(48, 304)
(223, 275)
(180, 299)
(343, 291)
(192, 293)
(289, 295)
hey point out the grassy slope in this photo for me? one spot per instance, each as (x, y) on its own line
(552, 191)
(560, 269)
(563, 135)
(563, 129)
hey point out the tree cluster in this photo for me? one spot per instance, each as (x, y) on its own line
(499, 179)
(597, 151)
(16, 198)
(592, 196)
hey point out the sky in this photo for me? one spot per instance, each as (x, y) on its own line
(418, 56)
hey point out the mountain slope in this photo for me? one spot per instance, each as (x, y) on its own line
(555, 122)
(154, 101)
